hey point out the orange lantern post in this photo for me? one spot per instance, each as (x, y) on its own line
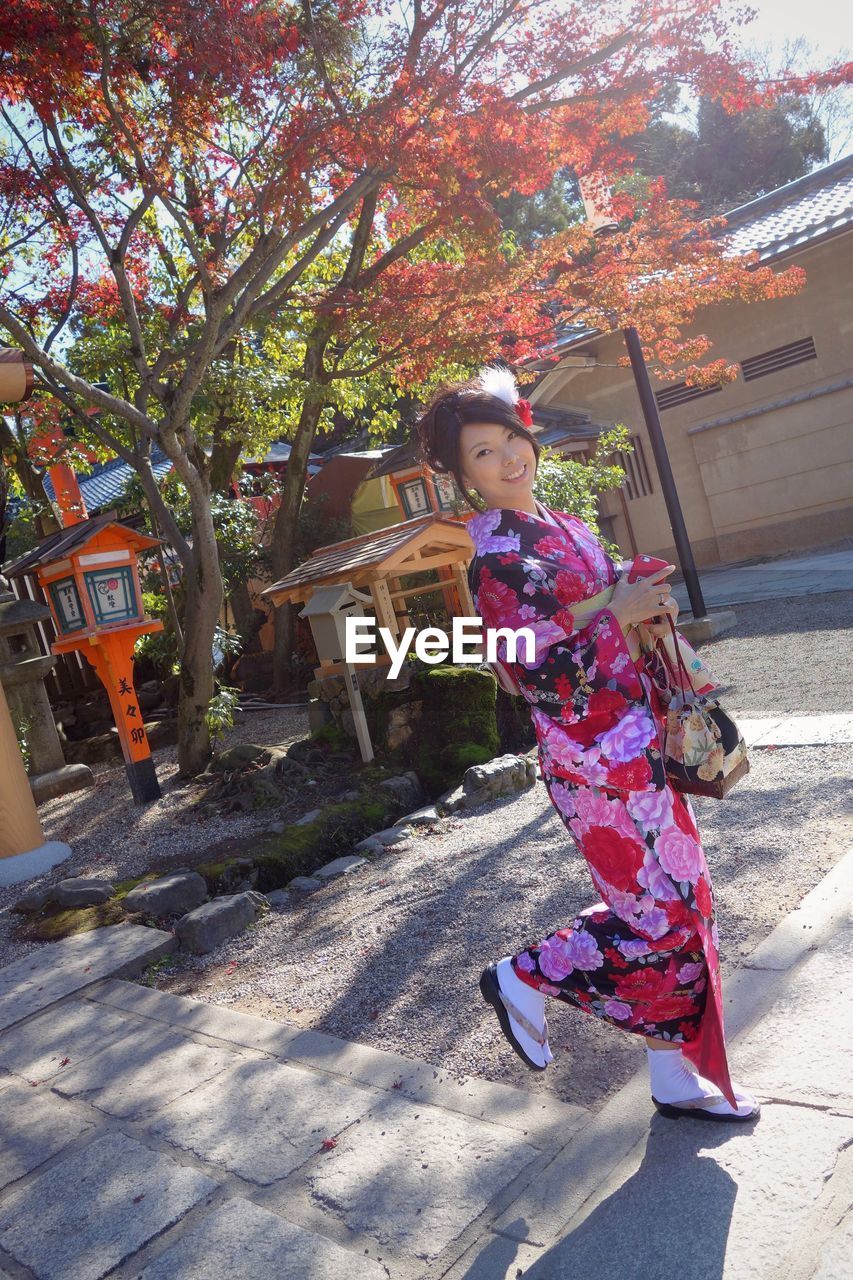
(90, 576)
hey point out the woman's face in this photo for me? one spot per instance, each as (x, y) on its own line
(496, 461)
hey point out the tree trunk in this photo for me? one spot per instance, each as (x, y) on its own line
(203, 602)
(246, 618)
(223, 459)
(283, 550)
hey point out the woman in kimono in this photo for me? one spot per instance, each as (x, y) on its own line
(645, 957)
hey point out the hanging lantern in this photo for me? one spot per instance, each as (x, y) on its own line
(16, 376)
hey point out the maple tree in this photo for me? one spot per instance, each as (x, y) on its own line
(257, 205)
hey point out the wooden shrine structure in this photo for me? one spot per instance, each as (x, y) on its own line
(376, 562)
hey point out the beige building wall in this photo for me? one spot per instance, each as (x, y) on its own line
(761, 467)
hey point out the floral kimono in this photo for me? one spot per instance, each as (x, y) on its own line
(645, 957)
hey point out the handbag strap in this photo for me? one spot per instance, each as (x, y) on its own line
(680, 672)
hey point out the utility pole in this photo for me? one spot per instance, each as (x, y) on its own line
(596, 199)
(683, 548)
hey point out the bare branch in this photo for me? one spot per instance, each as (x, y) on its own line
(615, 45)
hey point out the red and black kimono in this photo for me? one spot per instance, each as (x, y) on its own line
(645, 957)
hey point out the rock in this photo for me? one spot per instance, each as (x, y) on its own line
(162, 733)
(400, 726)
(305, 884)
(308, 817)
(420, 818)
(305, 752)
(277, 828)
(60, 782)
(350, 795)
(502, 776)
(213, 923)
(451, 801)
(33, 901)
(92, 750)
(341, 867)
(391, 835)
(370, 846)
(260, 900)
(169, 896)
(279, 899)
(405, 788)
(239, 756)
(82, 891)
(319, 714)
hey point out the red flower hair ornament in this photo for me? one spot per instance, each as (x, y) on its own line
(498, 381)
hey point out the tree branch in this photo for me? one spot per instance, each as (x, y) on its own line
(93, 395)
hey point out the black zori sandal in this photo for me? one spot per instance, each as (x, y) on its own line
(503, 1007)
(697, 1109)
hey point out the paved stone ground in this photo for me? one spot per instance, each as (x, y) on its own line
(146, 1136)
(779, 577)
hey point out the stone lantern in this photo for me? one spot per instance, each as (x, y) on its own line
(23, 668)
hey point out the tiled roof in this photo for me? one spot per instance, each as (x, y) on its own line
(354, 556)
(59, 544)
(817, 205)
(278, 452)
(107, 483)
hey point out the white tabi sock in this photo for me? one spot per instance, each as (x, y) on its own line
(672, 1080)
(531, 1004)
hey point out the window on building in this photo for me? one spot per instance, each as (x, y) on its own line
(779, 358)
(638, 479)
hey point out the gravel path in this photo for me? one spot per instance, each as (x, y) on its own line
(391, 957)
(114, 839)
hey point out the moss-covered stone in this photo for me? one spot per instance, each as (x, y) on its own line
(460, 729)
(299, 850)
(123, 887)
(55, 924)
(333, 736)
(225, 874)
(515, 725)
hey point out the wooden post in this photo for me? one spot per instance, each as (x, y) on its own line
(20, 829)
(111, 654)
(384, 606)
(460, 577)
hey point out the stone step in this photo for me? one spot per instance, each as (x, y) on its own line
(58, 969)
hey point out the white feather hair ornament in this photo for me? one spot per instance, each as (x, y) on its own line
(496, 380)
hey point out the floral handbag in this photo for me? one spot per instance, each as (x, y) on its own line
(704, 751)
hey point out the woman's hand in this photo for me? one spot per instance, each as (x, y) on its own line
(634, 602)
(661, 629)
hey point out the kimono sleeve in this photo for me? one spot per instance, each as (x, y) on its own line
(589, 705)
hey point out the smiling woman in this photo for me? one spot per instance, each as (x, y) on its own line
(482, 439)
(645, 957)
